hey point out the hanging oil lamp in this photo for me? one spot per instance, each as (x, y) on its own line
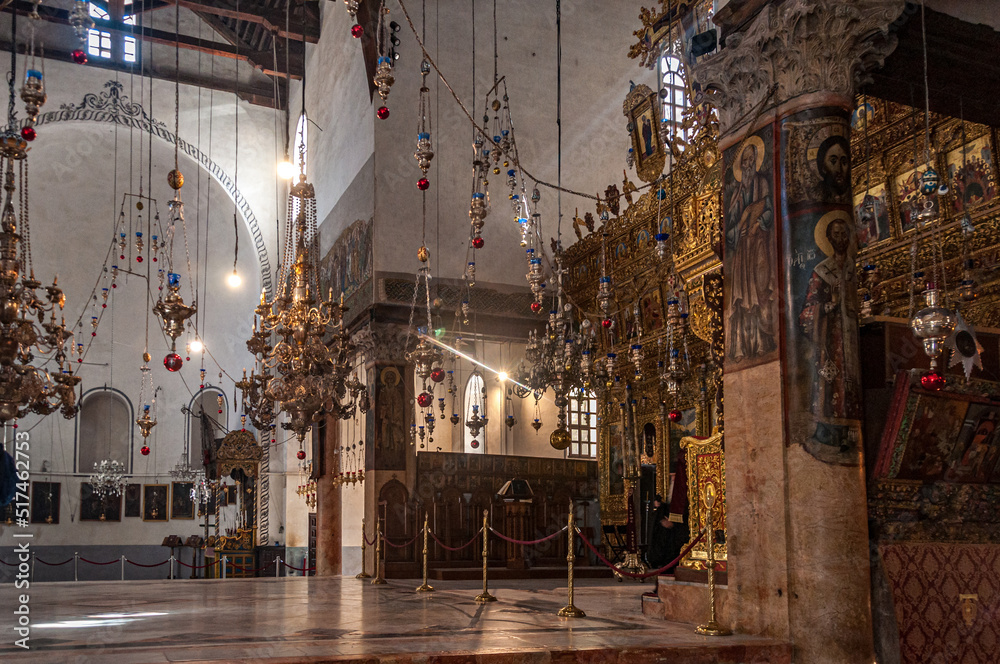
(932, 325)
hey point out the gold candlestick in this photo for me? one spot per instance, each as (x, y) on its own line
(570, 611)
(712, 627)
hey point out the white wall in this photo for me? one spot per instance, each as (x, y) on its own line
(75, 200)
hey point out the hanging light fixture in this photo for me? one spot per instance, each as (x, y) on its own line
(310, 376)
(108, 479)
(25, 388)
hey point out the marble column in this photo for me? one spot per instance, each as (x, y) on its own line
(328, 513)
(797, 517)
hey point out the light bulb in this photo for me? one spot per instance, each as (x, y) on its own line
(502, 376)
(286, 169)
(196, 346)
(234, 280)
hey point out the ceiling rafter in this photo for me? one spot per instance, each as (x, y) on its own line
(259, 59)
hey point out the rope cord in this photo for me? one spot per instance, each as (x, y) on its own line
(528, 542)
(475, 538)
(53, 564)
(633, 575)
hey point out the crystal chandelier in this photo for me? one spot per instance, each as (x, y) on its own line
(308, 376)
(108, 478)
(25, 388)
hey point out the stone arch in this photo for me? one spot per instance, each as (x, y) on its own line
(115, 107)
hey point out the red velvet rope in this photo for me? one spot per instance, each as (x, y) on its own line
(522, 542)
(400, 546)
(299, 569)
(365, 538)
(54, 564)
(141, 565)
(254, 571)
(8, 564)
(110, 562)
(633, 575)
(457, 548)
(199, 566)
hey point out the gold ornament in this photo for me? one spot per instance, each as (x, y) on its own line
(423, 254)
(138, 205)
(175, 179)
(146, 357)
(559, 439)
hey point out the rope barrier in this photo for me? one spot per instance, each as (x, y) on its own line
(58, 564)
(633, 575)
(110, 562)
(141, 565)
(526, 543)
(457, 548)
(8, 564)
(299, 569)
(253, 571)
(365, 538)
(400, 546)
(195, 566)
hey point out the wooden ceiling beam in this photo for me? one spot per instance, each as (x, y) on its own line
(272, 20)
(262, 60)
(256, 96)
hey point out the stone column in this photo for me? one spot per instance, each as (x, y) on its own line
(797, 517)
(328, 514)
(388, 454)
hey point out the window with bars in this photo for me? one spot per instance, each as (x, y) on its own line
(673, 92)
(99, 43)
(109, 45)
(582, 421)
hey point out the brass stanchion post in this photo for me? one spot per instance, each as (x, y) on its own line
(364, 574)
(424, 587)
(485, 596)
(711, 628)
(379, 563)
(570, 611)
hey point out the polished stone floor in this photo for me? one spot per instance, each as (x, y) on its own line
(342, 619)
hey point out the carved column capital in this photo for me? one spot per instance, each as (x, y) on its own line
(794, 48)
(384, 343)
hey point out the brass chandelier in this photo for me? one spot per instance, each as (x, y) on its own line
(559, 359)
(301, 374)
(25, 385)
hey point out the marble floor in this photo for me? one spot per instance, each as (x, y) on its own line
(341, 619)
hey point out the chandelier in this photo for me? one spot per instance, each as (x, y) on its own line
(108, 478)
(559, 359)
(302, 376)
(24, 387)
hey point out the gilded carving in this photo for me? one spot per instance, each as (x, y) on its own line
(706, 465)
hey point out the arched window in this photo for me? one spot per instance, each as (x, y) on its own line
(673, 92)
(582, 415)
(104, 429)
(475, 401)
(205, 422)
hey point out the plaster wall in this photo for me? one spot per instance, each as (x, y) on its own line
(595, 79)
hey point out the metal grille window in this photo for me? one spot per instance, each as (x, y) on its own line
(99, 43)
(582, 420)
(673, 92)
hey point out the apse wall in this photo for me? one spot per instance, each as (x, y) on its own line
(75, 201)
